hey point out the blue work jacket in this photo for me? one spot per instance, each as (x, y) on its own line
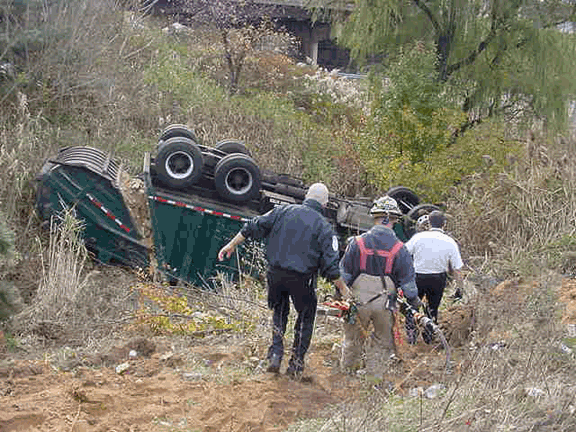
(298, 238)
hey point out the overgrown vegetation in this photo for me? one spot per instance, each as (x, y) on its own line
(493, 57)
(88, 73)
(9, 296)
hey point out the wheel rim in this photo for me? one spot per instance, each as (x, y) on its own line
(179, 165)
(239, 181)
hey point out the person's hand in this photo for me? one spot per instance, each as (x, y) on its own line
(457, 294)
(347, 295)
(226, 251)
(415, 302)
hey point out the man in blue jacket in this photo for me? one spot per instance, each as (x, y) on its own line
(300, 242)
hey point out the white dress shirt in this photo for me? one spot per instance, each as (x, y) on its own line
(434, 252)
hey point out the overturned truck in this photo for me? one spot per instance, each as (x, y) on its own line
(189, 201)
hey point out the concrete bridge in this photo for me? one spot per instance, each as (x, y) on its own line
(317, 46)
(315, 36)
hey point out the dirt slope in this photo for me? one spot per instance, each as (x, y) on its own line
(211, 384)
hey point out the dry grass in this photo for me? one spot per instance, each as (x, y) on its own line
(63, 273)
(75, 302)
(514, 224)
(523, 219)
(512, 375)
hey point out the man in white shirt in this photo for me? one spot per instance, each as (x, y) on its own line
(435, 254)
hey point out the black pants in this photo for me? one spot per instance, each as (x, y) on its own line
(432, 287)
(284, 285)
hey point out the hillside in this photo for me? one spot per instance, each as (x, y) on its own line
(134, 381)
(90, 347)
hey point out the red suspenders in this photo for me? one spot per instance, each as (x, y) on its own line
(389, 255)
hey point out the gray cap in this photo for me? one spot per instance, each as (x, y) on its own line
(436, 219)
(318, 192)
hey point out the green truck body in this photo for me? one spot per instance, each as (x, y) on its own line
(187, 230)
(197, 199)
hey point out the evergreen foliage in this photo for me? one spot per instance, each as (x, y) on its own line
(6, 239)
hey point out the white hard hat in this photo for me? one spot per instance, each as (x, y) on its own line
(385, 206)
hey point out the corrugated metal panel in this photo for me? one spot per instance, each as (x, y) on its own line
(90, 158)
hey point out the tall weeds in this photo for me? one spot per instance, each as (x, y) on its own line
(513, 376)
(63, 270)
(523, 218)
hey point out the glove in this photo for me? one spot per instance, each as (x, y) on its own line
(337, 296)
(391, 302)
(415, 302)
(351, 315)
(457, 294)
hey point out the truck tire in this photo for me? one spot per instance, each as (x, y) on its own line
(414, 214)
(406, 198)
(237, 178)
(179, 163)
(177, 130)
(230, 146)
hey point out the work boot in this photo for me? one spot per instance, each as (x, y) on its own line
(411, 330)
(274, 362)
(295, 368)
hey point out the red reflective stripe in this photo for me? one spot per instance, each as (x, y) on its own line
(107, 212)
(389, 255)
(363, 253)
(198, 209)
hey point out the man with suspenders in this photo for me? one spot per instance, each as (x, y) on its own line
(375, 265)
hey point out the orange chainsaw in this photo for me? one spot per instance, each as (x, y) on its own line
(344, 309)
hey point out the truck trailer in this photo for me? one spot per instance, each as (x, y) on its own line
(196, 198)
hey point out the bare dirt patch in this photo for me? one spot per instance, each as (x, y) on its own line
(164, 391)
(212, 384)
(212, 387)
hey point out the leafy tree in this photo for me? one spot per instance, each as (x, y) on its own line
(410, 120)
(243, 27)
(492, 56)
(409, 112)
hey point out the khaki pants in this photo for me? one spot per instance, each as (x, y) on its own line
(373, 329)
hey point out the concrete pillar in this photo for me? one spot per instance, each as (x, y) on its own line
(314, 51)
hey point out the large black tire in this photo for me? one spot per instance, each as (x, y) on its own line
(237, 178)
(230, 146)
(414, 214)
(406, 198)
(179, 163)
(177, 130)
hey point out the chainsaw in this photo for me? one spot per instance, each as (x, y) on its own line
(346, 309)
(349, 310)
